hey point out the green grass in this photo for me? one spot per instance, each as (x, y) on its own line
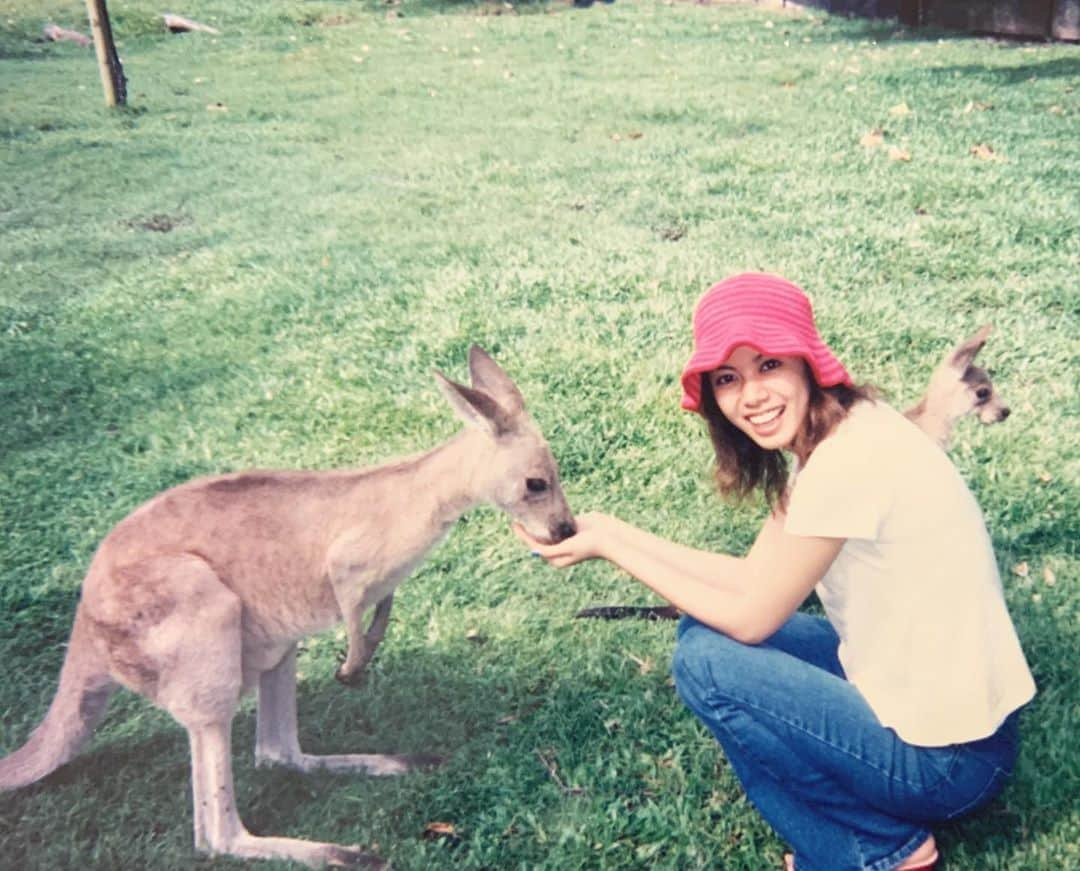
(261, 259)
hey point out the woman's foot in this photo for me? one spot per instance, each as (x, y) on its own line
(923, 859)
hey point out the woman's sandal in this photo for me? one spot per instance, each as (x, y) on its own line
(928, 864)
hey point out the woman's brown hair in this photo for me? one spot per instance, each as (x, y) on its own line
(742, 466)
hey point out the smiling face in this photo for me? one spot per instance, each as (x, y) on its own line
(765, 397)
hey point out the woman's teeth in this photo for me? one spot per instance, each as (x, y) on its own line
(764, 417)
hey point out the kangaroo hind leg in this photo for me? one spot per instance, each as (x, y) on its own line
(183, 649)
(218, 829)
(276, 741)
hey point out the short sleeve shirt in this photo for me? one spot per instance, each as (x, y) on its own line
(914, 593)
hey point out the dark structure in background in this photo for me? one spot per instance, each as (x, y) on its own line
(1030, 19)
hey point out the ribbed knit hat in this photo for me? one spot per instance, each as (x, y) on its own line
(767, 313)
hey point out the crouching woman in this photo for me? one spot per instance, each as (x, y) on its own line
(852, 734)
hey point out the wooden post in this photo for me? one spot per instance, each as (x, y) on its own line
(112, 73)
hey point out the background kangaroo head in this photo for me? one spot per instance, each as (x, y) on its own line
(964, 388)
(518, 472)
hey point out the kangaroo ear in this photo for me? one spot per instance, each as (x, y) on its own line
(487, 375)
(475, 407)
(962, 355)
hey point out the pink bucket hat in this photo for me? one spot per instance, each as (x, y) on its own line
(766, 312)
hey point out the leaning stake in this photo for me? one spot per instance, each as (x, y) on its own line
(112, 74)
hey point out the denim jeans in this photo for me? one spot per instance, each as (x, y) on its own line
(845, 791)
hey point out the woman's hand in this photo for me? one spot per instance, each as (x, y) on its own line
(586, 544)
(747, 598)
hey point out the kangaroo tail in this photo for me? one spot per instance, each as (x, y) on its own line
(79, 705)
(622, 612)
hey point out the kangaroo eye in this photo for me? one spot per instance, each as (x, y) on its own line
(982, 394)
(535, 485)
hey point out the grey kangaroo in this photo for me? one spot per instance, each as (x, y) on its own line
(957, 388)
(203, 592)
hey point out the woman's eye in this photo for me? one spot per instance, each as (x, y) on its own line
(535, 485)
(722, 380)
(769, 365)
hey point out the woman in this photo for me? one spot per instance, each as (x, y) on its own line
(850, 734)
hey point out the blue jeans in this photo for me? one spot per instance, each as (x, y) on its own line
(843, 790)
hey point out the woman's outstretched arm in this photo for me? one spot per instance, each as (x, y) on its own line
(747, 598)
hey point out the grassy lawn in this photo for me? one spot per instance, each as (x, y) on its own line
(261, 259)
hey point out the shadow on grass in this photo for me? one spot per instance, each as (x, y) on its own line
(1058, 68)
(12, 50)
(51, 390)
(1040, 535)
(494, 728)
(78, 380)
(407, 8)
(418, 701)
(34, 620)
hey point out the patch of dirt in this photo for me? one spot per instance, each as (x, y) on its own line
(158, 223)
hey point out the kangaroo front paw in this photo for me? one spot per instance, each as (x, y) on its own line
(351, 677)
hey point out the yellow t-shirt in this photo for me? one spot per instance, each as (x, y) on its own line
(914, 593)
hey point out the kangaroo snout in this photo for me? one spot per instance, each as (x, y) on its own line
(994, 415)
(564, 529)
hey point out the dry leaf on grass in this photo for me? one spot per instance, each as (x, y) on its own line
(1021, 570)
(899, 154)
(982, 151)
(874, 139)
(1049, 578)
(900, 110)
(438, 830)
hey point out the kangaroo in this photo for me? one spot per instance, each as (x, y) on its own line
(233, 570)
(957, 388)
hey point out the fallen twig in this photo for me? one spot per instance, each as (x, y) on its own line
(552, 770)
